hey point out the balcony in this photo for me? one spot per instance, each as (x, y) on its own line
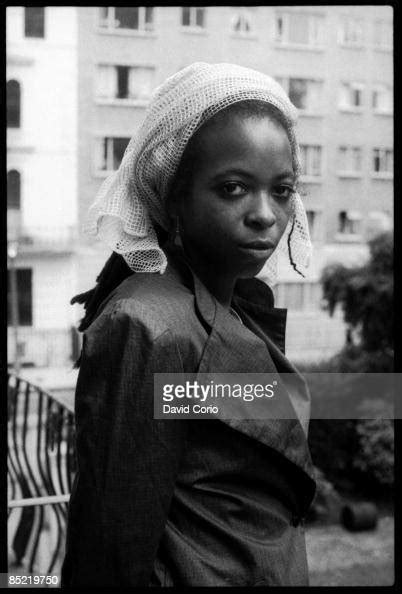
(32, 239)
(41, 469)
(39, 347)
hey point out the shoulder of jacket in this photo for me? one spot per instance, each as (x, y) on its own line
(151, 301)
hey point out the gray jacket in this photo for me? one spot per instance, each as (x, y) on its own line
(184, 502)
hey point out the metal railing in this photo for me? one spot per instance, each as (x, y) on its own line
(41, 468)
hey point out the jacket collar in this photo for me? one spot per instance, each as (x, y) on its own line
(251, 295)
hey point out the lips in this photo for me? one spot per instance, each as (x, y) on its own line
(258, 244)
(258, 250)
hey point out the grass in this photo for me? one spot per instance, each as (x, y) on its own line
(340, 558)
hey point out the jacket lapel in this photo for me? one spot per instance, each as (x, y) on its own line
(243, 351)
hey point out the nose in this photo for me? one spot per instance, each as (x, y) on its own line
(260, 214)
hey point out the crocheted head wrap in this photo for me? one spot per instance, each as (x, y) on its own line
(133, 199)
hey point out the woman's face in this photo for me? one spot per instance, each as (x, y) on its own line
(240, 198)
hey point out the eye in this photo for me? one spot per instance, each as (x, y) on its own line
(233, 189)
(283, 191)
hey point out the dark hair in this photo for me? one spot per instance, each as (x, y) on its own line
(114, 272)
(115, 269)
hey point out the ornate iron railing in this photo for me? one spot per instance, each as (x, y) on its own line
(41, 468)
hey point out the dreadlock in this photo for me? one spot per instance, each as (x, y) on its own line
(112, 274)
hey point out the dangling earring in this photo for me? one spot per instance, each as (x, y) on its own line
(177, 238)
(174, 234)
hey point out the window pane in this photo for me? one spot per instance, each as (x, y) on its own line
(199, 17)
(389, 161)
(298, 92)
(13, 189)
(119, 146)
(376, 160)
(342, 222)
(13, 104)
(382, 99)
(279, 28)
(149, 17)
(103, 156)
(342, 158)
(293, 295)
(311, 221)
(352, 31)
(106, 82)
(34, 21)
(299, 28)
(344, 100)
(185, 16)
(357, 97)
(383, 34)
(316, 29)
(237, 23)
(356, 159)
(104, 11)
(24, 296)
(122, 82)
(313, 95)
(315, 160)
(127, 17)
(140, 83)
(303, 158)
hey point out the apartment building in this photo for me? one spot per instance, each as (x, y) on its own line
(42, 136)
(89, 73)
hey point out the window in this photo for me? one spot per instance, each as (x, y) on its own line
(241, 23)
(351, 96)
(137, 18)
(383, 161)
(13, 189)
(310, 160)
(349, 222)
(313, 218)
(293, 294)
(298, 296)
(304, 93)
(13, 104)
(382, 99)
(34, 21)
(349, 159)
(351, 32)
(299, 28)
(124, 82)
(110, 153)
(382, 35)
(24, 296)
(193, 16)
(377, 222)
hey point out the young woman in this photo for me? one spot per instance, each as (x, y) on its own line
(205, 197)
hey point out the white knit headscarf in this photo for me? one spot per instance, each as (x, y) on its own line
(133, 198)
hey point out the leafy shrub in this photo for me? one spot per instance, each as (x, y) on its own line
(358, 452)
(375, 455)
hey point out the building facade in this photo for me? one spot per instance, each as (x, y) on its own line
(42, 132)
(91, 75)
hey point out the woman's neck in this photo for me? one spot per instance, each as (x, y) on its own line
(220, 285)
